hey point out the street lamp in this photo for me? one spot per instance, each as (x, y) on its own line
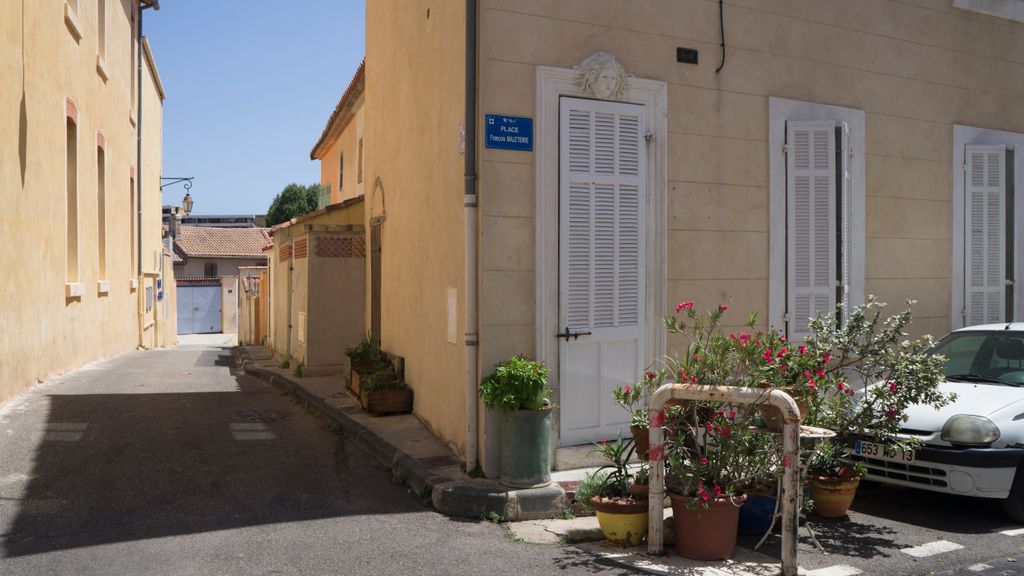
(186, 203)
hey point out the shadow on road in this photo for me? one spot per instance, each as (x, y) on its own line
(121, 467)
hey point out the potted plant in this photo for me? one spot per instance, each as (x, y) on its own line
(874, 375)
(365, 357)
(519, 389)
(711, 461)
(611, 491)
(833, 480)
(633, 399)
(383, 391)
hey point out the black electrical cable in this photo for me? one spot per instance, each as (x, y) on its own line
(721, 23)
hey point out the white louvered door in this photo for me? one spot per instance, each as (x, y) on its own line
(985, 236)
(811, 188)
(602, 197)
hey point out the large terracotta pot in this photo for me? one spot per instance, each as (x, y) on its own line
(833, 496)
(623, 521)
(706, 534)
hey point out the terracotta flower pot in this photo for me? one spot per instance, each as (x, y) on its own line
(641, 441)
(706, 534)
(623, 521)
(833, 496)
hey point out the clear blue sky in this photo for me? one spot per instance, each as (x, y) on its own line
(250, 85)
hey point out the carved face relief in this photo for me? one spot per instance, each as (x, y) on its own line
(603, 76)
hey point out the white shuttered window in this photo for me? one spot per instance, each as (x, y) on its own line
(817, 222)
(602, 231)
(985, 241)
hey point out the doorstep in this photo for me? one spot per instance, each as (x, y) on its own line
(408, 449)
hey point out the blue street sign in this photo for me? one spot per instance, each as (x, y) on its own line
(508, 132)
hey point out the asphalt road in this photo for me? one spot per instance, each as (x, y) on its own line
(165, 462)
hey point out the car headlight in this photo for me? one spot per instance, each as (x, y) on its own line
(970, 430)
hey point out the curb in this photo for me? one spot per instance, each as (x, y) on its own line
(465, 498)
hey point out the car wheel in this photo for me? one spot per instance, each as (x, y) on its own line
(1013, 505)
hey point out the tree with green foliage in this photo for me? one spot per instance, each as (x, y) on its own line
(295, 200)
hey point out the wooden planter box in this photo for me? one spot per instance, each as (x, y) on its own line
(387, 402)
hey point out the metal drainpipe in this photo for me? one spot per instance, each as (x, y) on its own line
(138, 169)
(470, 206)
(790, 459)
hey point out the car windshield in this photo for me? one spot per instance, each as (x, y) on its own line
(993, 356)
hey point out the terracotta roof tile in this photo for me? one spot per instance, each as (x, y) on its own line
(209, 242)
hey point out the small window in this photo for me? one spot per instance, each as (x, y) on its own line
(101, 212)
(210, 270)
(359, 169)
(341, 173)
(71, 169)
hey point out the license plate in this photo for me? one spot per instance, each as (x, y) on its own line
(883, 452)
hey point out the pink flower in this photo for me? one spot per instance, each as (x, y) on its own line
(709, 426)
(604, 442)
(722, 307)
(803, 349)
(725, 432)
(718, 490)
(841, 386)
(703, 460)
(820, 373)
(812, 386)
(627, 389)
(684, 306)
(807, 373)
(892, 386)
(732, 414)
(891, 413)
(649, 374)
(783, 352)
(827, 357)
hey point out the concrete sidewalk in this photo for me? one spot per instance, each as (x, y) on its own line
(408, 449)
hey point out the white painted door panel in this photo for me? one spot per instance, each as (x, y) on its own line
(602, 197)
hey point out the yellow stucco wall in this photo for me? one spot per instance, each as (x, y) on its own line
(347, 142)
(914, 69)
(414, 178)
(43, 62)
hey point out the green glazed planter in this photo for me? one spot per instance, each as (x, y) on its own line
(526, 448)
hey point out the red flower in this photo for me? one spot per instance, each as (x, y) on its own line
(807, 373)
(724, 432)
(891, 413)
(709, 426)
(820, 373)
(649, 374)
(803, 349)
(684, 306)
(722, 307)
(827, 357)
(892, 386)
(718, 490)
(732, 414)
(627, 389)
(841, 386)
(703, 460)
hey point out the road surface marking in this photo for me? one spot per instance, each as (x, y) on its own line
(253, 435)
(979, 567)
(839, 570)
(249, 426)
(931, 548)
(1014, 532)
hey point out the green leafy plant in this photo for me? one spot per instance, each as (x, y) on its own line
(382, 378)
(284, 364)
(298, 370)
(517, 384)
(829, 461)
(365, 353)
(592, 484)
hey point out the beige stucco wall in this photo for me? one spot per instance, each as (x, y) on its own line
(914, 70)
(414, 178)
(346, 141)
(41, 64)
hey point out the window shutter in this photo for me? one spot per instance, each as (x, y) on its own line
(811, 189)
(985, 236)
(601, 226)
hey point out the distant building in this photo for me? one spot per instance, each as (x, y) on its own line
(227, 221)
(202, 251)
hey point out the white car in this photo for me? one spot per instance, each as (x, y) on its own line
(975, 445)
